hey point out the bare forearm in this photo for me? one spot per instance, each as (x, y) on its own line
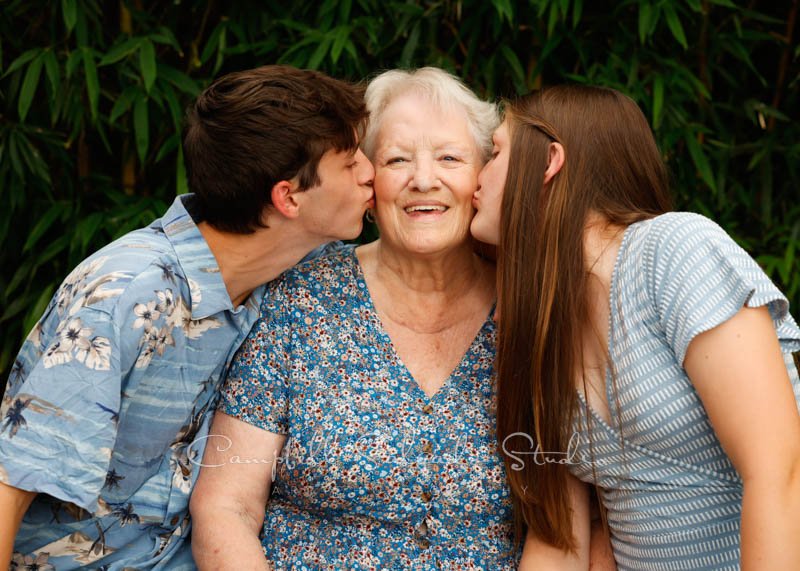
(13, 505)
(601, 556)
(770, 526)
(224, 539)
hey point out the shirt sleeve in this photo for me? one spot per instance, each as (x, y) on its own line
(256, 388)
(58, 422)
(699, 278)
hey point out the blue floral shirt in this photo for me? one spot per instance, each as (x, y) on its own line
(109, 392)
(374, 473)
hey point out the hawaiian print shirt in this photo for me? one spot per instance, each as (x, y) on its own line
(109, 392)
(374, 473)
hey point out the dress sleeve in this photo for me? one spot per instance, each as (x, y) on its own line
(256, 388)
(699, 278)
(58, 415)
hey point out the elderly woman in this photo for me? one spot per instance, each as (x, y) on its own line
(360, 411)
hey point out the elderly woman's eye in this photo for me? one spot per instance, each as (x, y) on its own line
(394, 160)
(449, 158)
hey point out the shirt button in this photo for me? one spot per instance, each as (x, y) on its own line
(423, 543)
(427, 409)
(426, 497)
(174, 520)
(427, 448)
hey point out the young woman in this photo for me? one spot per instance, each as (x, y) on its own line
(639, 350)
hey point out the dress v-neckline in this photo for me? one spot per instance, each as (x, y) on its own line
(414, 387)
(612, 295)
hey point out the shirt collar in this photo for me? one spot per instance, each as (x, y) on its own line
(206, 286)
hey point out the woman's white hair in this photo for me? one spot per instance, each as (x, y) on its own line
(444, 90)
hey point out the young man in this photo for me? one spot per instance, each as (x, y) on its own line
(119, 377)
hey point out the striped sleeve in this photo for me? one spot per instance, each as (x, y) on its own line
(699, 278)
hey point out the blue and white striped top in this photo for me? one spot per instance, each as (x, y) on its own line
(673, 496)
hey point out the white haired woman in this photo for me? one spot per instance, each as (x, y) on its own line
(366, 387)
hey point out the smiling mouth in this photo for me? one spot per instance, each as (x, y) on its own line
(425, 208)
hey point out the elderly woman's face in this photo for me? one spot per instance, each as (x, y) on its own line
(426, 170)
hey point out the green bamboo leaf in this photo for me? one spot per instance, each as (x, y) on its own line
(141, 127)
(120, 51)
(52, 69)
(168, 146)
(179, 79)
(504, 9)
(738, 50)
(341, 35)
(344, 10)
(700, 160)
(69, 9)
(726, 3)
(675, 25)
(411, 46)
(213, 42)
(174, 106)
(22, 60)
(645, 21)
(89, 226)
(167, 37)
(53, 249)
(181, 182)
(658, 100)
(147, 62)
(29, 84)
(517, 72)
(552, 19)
(13, 155)
(319, 53)
(33, 160)
(223, 42)
(36, 311)
(577, 12)
(92, 84)
(14, 308)
(73, 60)
(123, 103)
(42, 225)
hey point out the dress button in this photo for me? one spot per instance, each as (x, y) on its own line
(427, 409)
(423, 543)
(426, 497)
(427, 448)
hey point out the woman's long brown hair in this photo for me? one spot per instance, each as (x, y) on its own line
(613, 167)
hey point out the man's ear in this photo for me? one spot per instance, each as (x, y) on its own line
(555, 161)
(284, 200)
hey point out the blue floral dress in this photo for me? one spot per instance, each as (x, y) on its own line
(374, 473)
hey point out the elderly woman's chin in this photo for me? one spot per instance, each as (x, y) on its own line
(427, 238)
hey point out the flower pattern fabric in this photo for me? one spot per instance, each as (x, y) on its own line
(108, 394)
(374, 473)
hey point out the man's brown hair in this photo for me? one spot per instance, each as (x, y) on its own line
(251, 129)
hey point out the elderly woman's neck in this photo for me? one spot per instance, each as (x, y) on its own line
(449, 272)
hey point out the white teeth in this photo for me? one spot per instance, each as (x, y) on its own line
(425, 208)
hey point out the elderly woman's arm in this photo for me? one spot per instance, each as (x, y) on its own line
(231, 494)
(538, 555)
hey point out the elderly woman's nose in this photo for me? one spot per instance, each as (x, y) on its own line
(424, 176)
